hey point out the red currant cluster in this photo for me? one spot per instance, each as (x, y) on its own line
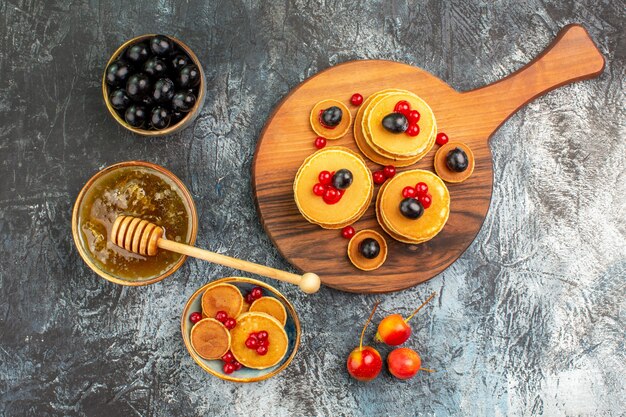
(420, 192)
(230, 363)
(254, 294)
(324, 189)
(223, 318)
(381, 176)
(412, 116)
(442, 139)
(258, 341)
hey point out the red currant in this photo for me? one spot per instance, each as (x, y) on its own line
(426, 200)
(252, 343)
(230, 323)
(389, 171)
(413, 130)
(421, 188)
(237, 365)
(195, 317)
(320, 142)
(229, 368)
(442, 139)
(261, 350)
(257, 292)
(228, 357)
(403, 107)
(325, 177)
(347, 232)
(318, 189)
(331, 195)
(221, 316)
(408, 192)
(262, 335)
(379, 177)
(264, 342)
(356, 99)
(413, 117)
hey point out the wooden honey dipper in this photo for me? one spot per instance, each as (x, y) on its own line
(144, 238)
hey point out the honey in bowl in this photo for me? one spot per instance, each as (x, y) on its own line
(138, 191)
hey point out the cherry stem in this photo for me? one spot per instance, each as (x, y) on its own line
(366, 323)
(428, 370)
(420, 307)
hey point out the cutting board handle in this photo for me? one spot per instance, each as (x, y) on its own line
(571, 57)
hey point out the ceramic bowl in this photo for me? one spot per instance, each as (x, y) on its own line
(184, 122)
(81, 244)
(214, 367)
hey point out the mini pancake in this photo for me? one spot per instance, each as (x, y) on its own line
(361, 261)
(400, 144)
(210, 339)
(355, 200)
(367, 150)
(222, 297)
(271, 306)
(253, 322)
(338, 131)
(441, 168)
(430, 223)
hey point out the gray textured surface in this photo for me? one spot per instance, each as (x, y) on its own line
(530, 320)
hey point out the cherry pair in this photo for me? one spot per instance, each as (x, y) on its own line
(381, 176)
(419, 192)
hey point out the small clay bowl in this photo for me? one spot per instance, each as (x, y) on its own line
(215, 367)
(181, 124)
(81, 244)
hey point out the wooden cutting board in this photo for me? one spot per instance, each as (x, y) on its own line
(470, 117)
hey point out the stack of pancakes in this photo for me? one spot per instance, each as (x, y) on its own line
(355, 200)
(384, 147)
(407, 230)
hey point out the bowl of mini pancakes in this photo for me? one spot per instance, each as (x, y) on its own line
(240, 329)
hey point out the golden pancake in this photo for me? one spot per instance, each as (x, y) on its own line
(367, 150)
(441, 168)
(271, 306)
(330, 133)
(210, 339)
(356, 198)
(384, 226)
(222, 297)
(253, 322)
(361, 261)
(430, 223)
(400, 144)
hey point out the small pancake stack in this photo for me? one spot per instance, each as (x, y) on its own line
(384, 147)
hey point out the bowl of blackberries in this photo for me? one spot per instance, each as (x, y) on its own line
(153, 85)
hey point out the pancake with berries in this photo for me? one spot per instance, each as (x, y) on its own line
(367, 150)
(413, 206)
(333, 187)
(400, 124)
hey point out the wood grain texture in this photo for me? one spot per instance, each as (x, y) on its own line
(470, 117)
